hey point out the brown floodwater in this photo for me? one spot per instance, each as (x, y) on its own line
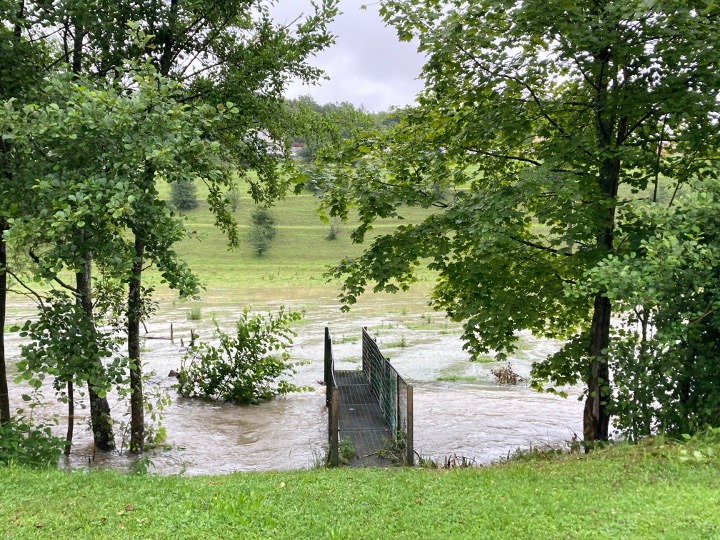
(459, 409)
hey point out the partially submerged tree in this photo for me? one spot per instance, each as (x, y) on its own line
(539, 122)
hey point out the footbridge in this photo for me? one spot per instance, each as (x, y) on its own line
(371, 408)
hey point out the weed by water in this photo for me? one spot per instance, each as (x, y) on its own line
(346, 453)
(345, 339)
(452, 461)
(401, 343)
(194, 313)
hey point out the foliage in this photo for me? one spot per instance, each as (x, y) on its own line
(320, 126)
(346, 451)
(25, 443)
(655, 494)
(262, 231)
(65, 344)
(129, 95)
(194, 313)
(183, 194)
(246, 367)
(665, 351)
(540, 127)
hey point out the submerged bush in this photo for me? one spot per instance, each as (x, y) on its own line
(32, 445)
(245, 368)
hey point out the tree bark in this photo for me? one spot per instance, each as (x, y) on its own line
(71, 417)
(137, 412)
(4, 394)
(100, 419)
(596, 418)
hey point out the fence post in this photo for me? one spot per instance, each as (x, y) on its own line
(409, 434)
(328, 367)
(333, 427)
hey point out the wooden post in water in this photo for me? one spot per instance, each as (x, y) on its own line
(409, 442)
(333, 428)
(171, 333)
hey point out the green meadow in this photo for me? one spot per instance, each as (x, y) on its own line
(296, 261)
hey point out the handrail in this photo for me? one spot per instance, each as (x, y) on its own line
(394, 395)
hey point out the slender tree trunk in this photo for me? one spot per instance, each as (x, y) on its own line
(137, 412)
(71, 417)
(596, 418)
(4, 394)
(100, 419)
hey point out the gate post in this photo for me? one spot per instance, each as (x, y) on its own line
(333, 429)
(409, 435)
(328, 367)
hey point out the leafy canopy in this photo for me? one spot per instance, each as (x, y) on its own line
(542, 126)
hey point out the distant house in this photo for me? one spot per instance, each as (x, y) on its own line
(271, 146)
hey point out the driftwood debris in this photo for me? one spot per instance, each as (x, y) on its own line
(506, 375)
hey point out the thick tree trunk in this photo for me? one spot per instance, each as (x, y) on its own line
(4, 394)
(596, 419)
(100, 419)
(137, 412)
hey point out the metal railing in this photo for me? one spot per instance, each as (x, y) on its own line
(394, 395)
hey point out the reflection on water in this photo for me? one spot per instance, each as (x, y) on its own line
(476, 419)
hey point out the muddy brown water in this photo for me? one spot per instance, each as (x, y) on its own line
(459, 409)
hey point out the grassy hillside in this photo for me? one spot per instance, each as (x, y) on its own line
(650, 491)
(298, 256)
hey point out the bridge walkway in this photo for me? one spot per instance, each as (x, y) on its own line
(372, 408)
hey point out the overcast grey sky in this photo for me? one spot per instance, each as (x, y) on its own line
(367, 65)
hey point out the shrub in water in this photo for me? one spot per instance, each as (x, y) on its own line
(246, 367)
(32, 445)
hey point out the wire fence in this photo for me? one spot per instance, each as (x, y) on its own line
(392, 392)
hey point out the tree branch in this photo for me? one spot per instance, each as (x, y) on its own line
(60, 282)
(540, 247)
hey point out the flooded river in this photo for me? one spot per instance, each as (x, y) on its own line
(459, 409)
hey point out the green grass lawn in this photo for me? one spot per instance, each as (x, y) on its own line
(647, 491)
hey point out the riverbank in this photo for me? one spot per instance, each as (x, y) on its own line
(654, 490)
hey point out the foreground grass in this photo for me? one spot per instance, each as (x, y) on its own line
(650, 491)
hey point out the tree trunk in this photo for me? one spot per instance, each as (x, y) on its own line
(100, 419)
(137, 412)
(4, 394)
(71, 417)
(596, 419)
